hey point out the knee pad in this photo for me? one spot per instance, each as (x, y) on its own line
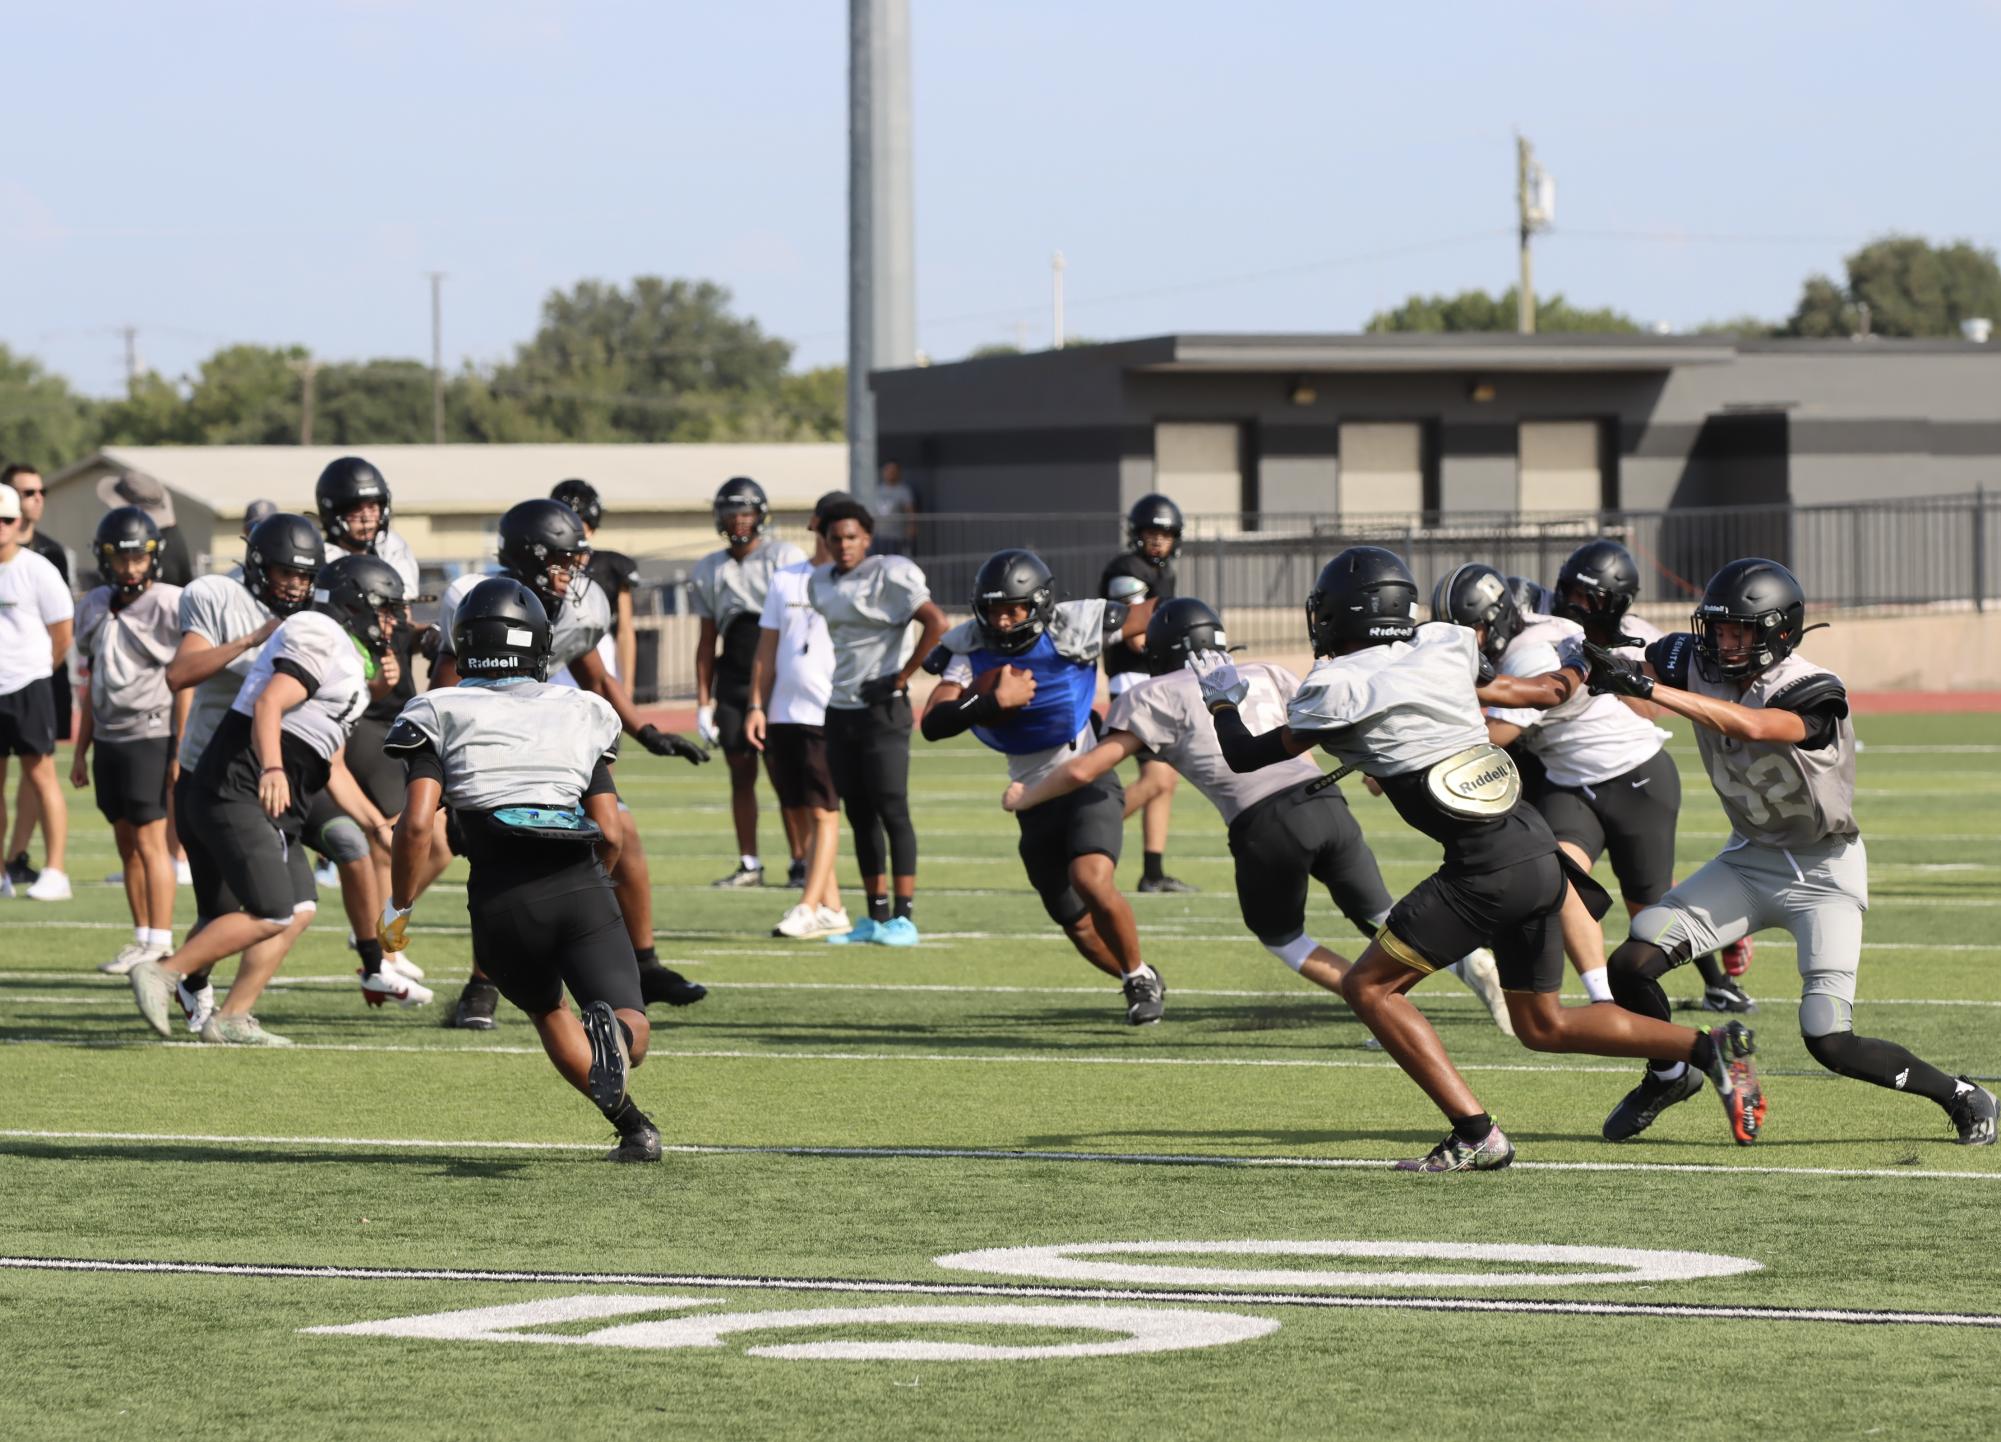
(1639, 960)
(1295, 952)
(342, 841)
(1824, 1016)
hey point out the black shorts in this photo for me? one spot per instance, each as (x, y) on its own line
(380, 774)
(1631, 817)
(239, 858)
(1516, 910)
(28, 720)
(730, 711)
(796, 756)
(1089, 821)
(131, 779)
(533, 939)
(63, 693)
(868, 750)
(1286, 840)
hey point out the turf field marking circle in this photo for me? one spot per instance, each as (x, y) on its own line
(1073, 1262)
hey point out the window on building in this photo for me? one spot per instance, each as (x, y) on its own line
(1382, 469)
(1560, 466)
(1201, 466)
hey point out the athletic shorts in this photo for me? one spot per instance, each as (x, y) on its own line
(131, 779)
(1283, 842)
(239, 858)
(729, 726)
(380, 774)
(1631, 817)
(1089, 821)
(28, 720)
(796, 756)
(868, 750)
(63, 693)
(535, 938)
(1818, 894)
(332, 832)
(1516, 910)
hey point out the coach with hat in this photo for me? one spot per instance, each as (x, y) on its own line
(136, 489)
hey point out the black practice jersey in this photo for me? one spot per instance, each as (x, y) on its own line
(1158, 577)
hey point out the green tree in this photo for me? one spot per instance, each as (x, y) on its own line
(42, 421)
(247, 395)
(378, 402)
(1744, 327)
(1911, 288)
(152, 412)
(1476, 310)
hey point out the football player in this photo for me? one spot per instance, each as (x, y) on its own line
(542, 545)
(869, 603)
(1776, 739)
(125, 635)
(524, 767)
(1142, 577)
(1402, 703)
(279, 744)
(1289, 826)
(1022, 675)
(612, 572)
(727, 591)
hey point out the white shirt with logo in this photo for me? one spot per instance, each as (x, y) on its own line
(33, 598)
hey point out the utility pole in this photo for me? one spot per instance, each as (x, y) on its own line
(131, 334)
(1535, 209)
(437, 358)
(1056, 301)
(305, 369)
(882, 306)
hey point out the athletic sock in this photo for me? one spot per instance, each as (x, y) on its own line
(1712, 971)
(142, 936)
(1150, 871)
(371, 956)
(198, 979)
(162, 936)
(626, 1117)
(1668, 1074)
(1597, 985)
(749, 862)
(1472, 1129)
(1883, 1064)
(903, 906)
(878, 909)
(648, 956)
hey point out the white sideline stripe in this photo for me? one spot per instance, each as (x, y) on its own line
(1192, 1159)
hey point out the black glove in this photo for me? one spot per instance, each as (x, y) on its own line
(1485, 675)
(1613, 676)
(878, 689)
(666, 743)
(429, 639)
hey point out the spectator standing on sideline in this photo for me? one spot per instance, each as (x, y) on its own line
(27, 483)
(895, 512)
(134, 489)
(36, 614)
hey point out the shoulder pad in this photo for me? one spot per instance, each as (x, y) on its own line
(936, 660)
(1124, 589)
(1822, 691)
(405, 737)
(1078, 629)
(962, 640)
(1670, 656)
(1115, 616)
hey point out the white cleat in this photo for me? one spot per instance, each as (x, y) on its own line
(401, 964)
(1483, 979)
(52, 885)
(129, 956)
(240, 1031)
(386, 986)
(198, 1006)
(833, 920)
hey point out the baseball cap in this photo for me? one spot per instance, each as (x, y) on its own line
(10, 504)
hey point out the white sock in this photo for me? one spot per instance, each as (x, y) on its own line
(1673, 1073)
(1597, 984)
(750, 863)
(142, 935)
(157, 937)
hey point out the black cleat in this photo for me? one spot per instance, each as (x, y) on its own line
(610, 1060)
(795, 874)
(663, 983)
(1153, 885)
(1972, 1113)
(1729, 997)
(742, 877)
(476, 1006)
(20, 873)
(1647, 1101)
(1146, 997)
(639, 1145)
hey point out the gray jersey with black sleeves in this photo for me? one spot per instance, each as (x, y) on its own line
(312, 648)
(219, 609)
(1388, 710)
(722, 588)
(1776, 793)
(390, 547)
(514, 743)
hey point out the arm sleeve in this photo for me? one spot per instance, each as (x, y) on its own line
(1243, 751)
(601, 782)
(954, 718)
(422, 764)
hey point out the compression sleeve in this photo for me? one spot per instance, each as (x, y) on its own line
(954, 718)
(1243, 751)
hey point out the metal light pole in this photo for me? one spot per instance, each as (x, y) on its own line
(882, 308)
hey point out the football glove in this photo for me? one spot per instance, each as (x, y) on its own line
(392, 928)
(1611, 675)
(877, 689)
(1222, 684)
(666, 743)
(705, 725)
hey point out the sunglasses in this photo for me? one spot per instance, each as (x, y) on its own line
(10, 520)
(25, 494)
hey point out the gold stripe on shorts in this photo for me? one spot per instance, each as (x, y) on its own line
(1402, 952)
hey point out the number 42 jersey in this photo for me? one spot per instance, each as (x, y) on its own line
(1776, 793)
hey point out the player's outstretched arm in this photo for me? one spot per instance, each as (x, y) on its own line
(1074, 774)
(1537, 693)
(590, 675)
(1744, 723)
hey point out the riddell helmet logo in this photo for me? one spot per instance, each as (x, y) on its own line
(491, 663)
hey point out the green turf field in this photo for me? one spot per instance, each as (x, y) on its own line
(848, 1119)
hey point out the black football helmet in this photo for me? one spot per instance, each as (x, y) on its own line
(501, 629)
(1154, 512)
(1179, 629)
(343, 485)
(127, 531)
(284, 542)
(537, 537)
(1595, 587)
(1013, 576)
(1474, 595)
(1757, 593)
(355, 590)
(1366, 596)
(740, 495)
(581, 497)
(1532, 598)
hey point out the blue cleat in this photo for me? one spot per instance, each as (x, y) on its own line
(898, 931)
(866, 930)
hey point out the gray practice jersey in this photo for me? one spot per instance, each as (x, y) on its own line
(723, 588)
(868, 613)
(583, 620)
(1166, 714)
(219, 609)
(312, 648)
(126, 652)
(1388, 710)
(396, 551)
(1586, 739)
(1776, 793)
(512, 743)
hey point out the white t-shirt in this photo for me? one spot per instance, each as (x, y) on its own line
(805, 651)
(1585, 740)
(32, 599)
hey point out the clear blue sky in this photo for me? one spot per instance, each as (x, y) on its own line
(286, 173)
